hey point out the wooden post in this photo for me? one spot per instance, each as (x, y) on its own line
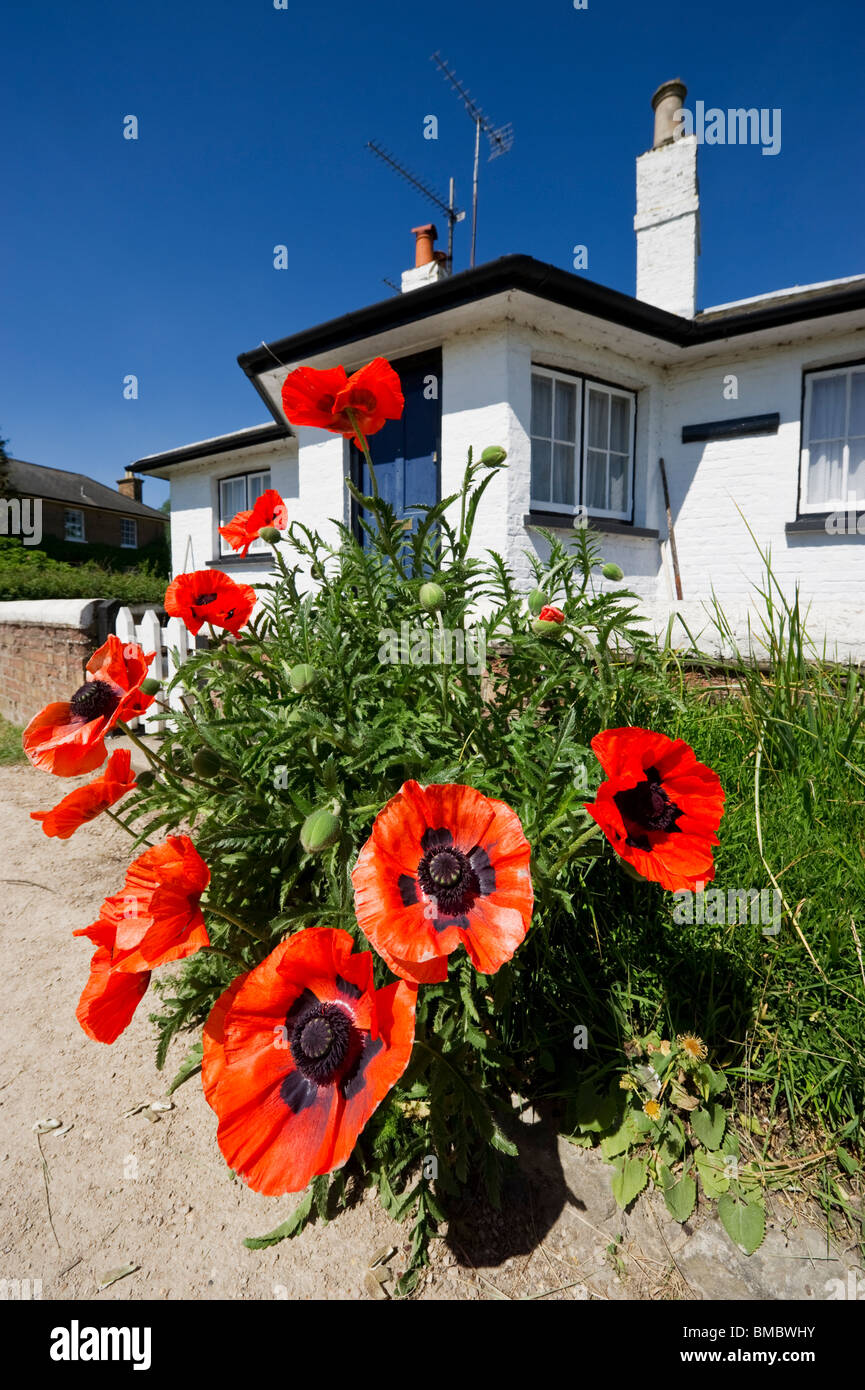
(670, 532)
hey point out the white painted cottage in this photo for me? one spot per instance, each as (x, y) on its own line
(757, 408)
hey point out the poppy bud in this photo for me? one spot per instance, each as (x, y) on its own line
(145, 779)
(269, 534)
(493, 455)
(432, 597)
(537, 601)
(543, 627)
(150, 686)
(612, 571)
(302, 676)
(206, 763)
(319, 831)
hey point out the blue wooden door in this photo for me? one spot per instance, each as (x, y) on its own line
(405, 453)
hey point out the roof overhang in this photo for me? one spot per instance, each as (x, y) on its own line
(258, 436)
(529, 291)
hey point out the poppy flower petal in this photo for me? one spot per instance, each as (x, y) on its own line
(85, 803)
(419, 972)
(381, 1065)
(493, 934)
(109, 999)
(213, 1040)
(273, 1146)
(57, 742)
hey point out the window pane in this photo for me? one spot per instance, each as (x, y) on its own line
(828, 407)
(542, 406)
(599, 419)
(566, 411)
(856, 471)
(824, 474)
(258, 483)
(596, 480)
(857, 403)
(620, 415)
(541, 470)
(232, 499)
(563, 474)
(619, 483)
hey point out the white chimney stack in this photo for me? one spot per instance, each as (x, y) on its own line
(668, 210)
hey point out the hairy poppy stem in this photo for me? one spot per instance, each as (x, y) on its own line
(161, 763)
(577, 844)
(235, 921)
(444, 680)
(364, 447)
(108, 812)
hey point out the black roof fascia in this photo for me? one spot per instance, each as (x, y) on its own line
(226, 444)
(556, 285)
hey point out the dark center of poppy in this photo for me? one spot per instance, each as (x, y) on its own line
(362, 400)
(201, 600)
(446, 876)
(319, 1042)
(647, 807)
(94, 700)
(325, 403)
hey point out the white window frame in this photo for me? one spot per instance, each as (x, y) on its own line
(584, 384)
(68, 513)
(124, 522)
(258, 547)
(807, 508)
(538, 503)
(628, 396)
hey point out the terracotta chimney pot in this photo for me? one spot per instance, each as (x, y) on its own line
(423, 245)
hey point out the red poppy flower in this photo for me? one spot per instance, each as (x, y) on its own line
(109, 998)
(85, 803)
(298, 1054)
(243, 529)
(209, 596)
(322, 398)
(660, 808)
(549, 614)
(156, 917)
(68, 736)
(443, 865)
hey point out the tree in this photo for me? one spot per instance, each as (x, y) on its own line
(4, 467)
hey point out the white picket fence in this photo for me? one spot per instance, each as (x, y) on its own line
(172, 645)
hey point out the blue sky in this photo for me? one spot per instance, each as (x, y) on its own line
(155, 256)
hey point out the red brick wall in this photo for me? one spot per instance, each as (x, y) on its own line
(100, 527)
(39, 664)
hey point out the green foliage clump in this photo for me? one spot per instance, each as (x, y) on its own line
(27, 572)
(604, 954)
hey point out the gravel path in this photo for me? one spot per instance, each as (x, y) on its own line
(113, 1189)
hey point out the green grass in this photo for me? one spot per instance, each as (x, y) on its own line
(10, 744)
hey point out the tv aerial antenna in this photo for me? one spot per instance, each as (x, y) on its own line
(451, 212)
(500, 137)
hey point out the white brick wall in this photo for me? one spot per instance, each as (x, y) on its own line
(486, 399)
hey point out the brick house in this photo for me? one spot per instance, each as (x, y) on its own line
(757, 409)
(78, 509)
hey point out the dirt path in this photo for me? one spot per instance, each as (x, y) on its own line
(119, 1189)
